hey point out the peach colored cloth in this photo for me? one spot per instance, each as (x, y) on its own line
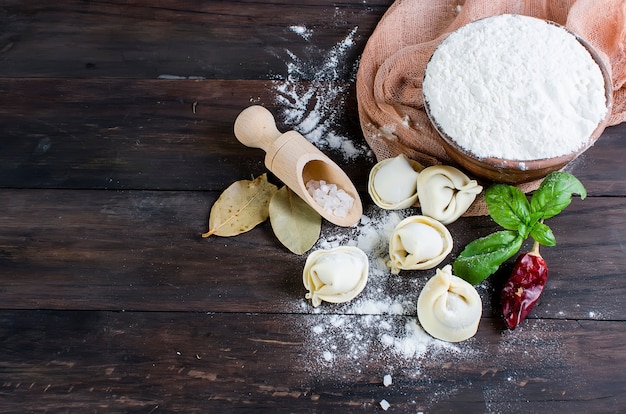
(389, 79)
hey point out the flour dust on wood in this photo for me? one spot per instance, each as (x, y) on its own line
(381, 323)
(312, 98)
(379, 328)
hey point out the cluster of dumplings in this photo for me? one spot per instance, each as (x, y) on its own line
(444, 192)
(448, 307)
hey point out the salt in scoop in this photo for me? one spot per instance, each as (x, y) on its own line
(295, 161)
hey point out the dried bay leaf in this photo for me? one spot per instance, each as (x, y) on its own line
(242, 206)
(296, 224)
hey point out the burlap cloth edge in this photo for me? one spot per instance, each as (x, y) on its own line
(388, 82)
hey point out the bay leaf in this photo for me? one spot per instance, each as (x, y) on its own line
(241, 207)
(296, 224)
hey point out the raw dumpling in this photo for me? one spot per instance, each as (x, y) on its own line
(448, 307)
(393, 182)
(335, 275)
(445, 193)
(418, 242)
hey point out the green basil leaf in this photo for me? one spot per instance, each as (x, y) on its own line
(555, 193)
(524, 230)
(482, 257)
(508, 206)
(542, 234)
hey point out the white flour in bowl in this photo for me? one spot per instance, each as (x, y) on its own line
(515, 87)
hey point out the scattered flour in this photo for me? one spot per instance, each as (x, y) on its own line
(544, 353)
(381, 323)
(314, 92)
(380, 327)
(302, 31)
(519, 79)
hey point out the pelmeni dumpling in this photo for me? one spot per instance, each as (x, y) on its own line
(449, 308)
(418, 242)
(335, 275)
(393, 182)
(445, 193)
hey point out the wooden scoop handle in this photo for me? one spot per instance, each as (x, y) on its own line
(255, 127)
(295, 161)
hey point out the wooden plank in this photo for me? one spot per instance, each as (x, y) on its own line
(188, 362)
(116, 122)
(600, 168)
(159, 134)
(142, 250)
(146, 39)
(128, 134)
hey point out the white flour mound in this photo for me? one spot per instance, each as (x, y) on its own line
(515, 87)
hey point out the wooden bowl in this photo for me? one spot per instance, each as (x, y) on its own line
(501, 170)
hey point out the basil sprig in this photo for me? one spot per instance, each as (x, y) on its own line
(509, 207)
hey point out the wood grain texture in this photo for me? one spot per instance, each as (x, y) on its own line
(142, 250)
(116, 123)
(177, 134)
(172, 362)
(136, 134)
(148, 39)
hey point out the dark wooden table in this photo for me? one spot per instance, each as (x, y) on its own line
(116, 120)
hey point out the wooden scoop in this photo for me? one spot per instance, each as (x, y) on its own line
(295, 161)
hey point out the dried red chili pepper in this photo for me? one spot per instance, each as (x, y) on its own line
(523, 288)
